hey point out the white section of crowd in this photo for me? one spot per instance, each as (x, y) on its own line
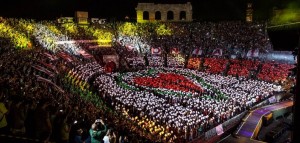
(240, 93)
(48, 40)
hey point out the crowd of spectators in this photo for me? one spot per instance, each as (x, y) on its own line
(194, 63)
(215, 65)
(274, 72)
(136, 62)
(176, 61)
(242, 67)
(156, 61)
(86, 71)
(39, 106)
(184, 115)
(229, 36)
(45, 96)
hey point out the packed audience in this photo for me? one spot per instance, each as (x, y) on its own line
(176, 61)
(57, 91)
(242, 68)
(136, 62)
(184, 113)
(274, 72)
(215, 65)
(194, 63)
(156, 61)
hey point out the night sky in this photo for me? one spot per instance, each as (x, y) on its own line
(118, 9)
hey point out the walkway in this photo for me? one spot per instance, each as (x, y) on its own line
(249, 127)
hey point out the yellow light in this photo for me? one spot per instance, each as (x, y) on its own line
(162, 29)
(17, 38)
(70, 27)
(290, 14)
(104, 37)
(54, 29)
(103, 40)
(128, 29)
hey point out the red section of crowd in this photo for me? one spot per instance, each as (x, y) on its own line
(242, 67)
(274, 72)
(215, 66)
(193, 63)
(168, 81)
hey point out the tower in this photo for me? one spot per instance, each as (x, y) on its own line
(249, 12)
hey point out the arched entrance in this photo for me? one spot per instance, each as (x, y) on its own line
(182, 15)
(145, 15)
(170, 15)
(157, 15)
(110, 67)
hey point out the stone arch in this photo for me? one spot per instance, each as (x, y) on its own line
(154, 8)
(182, 15)
(157, 15)
(145, 15)
(170, 15)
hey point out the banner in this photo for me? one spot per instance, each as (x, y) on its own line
(50, 82)
(50, 66)
(65, 56)
(217, 52)
(44, 70)
(155, 51)
(272, 99)
(219, 129)
(253, 53)
(197, 51)
(49, 56)
(85, 54)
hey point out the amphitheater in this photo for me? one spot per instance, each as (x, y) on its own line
(143, 81)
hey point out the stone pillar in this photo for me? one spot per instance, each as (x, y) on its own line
(163, 15)
(189, 16)
(152, 15)
(176, 15)
(139, 15)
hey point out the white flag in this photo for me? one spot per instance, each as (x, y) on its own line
(253, 53)
(197, 51)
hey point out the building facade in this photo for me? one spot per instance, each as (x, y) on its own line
(149, 12)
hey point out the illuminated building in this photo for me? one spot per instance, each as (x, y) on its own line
(249, 13)
(147, 12)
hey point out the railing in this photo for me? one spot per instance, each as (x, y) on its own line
(226, 126)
